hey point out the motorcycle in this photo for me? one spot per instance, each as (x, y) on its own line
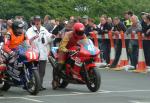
(80, 67)
(21, 69)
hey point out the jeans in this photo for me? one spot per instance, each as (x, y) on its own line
(105, 47)
(42, 67)
(146, 47)
(118, 52)
(134, 55)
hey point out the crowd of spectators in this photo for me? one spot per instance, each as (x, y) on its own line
(130, 24)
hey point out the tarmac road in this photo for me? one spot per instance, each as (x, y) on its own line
(116, 87)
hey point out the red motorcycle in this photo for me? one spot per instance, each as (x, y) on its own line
(80, 67)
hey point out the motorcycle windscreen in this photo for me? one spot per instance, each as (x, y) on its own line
(87, 47)
(54, 51)
(28, 52)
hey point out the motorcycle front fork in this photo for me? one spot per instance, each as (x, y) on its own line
(85, 74)
(26, 74)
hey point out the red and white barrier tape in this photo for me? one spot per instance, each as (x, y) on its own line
(129, 36)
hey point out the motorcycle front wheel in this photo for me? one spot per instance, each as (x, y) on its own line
(33, 85)
(63, 83)
(94, 80)
(4, 86)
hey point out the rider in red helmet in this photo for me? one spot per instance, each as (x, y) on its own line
(70, 39)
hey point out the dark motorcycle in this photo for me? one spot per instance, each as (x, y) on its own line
(21, 69)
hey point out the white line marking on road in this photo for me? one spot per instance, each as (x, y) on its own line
(78, 93)
(128, 91)
(29, 99)
(102, 91)
(10, 97)
(105, 91)
(21, 98)
(137, 102)
(101, 68)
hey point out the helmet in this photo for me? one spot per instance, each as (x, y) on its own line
(78, 29)
(17, 27)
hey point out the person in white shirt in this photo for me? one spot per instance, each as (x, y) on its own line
(40, 37)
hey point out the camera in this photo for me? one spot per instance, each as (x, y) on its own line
(43, 40)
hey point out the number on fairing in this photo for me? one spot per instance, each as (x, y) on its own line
(32, 55)
(90, 48)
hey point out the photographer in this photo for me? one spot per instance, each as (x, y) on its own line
(40, 37)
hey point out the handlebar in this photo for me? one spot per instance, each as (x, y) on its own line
(78, 49)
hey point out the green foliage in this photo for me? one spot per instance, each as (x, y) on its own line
(66, 8)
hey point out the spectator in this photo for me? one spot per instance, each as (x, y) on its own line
(143, 22)
(72, 17)
(78, 19)
(31, 22)
(59, 26)
(9, 24)
(1, 23)
(1, 30)
(53, 24)
(92, 25)
(47, 23)
(127, 21)
(103, 28)
(118, 27)
(69, 25)
(110, 22)
(135, 28)
(2, 26)
(146, 43)
(130, 13)
(85, 21)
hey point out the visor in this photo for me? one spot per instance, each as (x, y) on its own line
(21, 25)
(79, 33)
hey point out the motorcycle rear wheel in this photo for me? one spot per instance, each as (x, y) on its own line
(94, 81)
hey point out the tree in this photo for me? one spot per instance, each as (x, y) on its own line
(66, 8)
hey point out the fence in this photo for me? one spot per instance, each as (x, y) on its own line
(124, 61)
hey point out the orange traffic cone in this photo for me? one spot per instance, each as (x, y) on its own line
(141, 66)
(98, 60)
(95, 39)
(112, 50)
(123, 58)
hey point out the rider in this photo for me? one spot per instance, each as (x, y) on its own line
(13, 38)
(70, 39)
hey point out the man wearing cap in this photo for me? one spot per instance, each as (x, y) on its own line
(40, 37)
(85, 21)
